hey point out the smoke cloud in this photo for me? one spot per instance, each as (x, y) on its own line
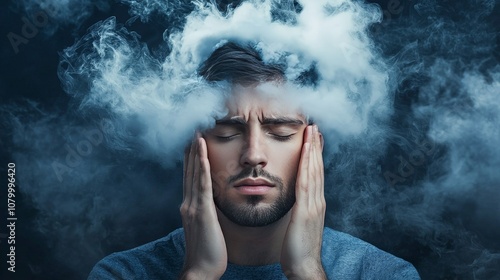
(438, 183)
(112, 72)
(408, 107)
(110, 69)
(62, 12)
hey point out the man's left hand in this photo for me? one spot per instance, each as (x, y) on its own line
(301, 251)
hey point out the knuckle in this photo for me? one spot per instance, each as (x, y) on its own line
(321, 208)
(188, 212)
(183, 209)
(191, 213)
(188, 215)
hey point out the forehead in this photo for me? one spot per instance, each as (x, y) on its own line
(266, 100)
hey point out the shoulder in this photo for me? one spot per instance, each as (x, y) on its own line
(158, 259)
(347, 257)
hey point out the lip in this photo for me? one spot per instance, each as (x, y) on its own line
(257, 186)
(253, 182)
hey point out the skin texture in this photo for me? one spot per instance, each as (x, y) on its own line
(261, 137)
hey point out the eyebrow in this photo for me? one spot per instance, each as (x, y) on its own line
(282, 120)
(266, 121)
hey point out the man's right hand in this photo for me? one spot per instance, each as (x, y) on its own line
(206, 255)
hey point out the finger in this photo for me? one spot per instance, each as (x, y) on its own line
(320, 149)
(205, 179)
(196, 174)
(187, 186)
(313, 180)
(184, 170)
(302, 176)
(188, 177)
(320, 195)
(320, 163)
(318, 167)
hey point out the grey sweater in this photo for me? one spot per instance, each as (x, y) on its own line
(344, 257)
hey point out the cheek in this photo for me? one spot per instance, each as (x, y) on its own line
(223, 161)
(287, 159)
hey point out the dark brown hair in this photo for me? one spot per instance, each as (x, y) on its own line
(239, 65)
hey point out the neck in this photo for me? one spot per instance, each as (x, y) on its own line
(254, 245)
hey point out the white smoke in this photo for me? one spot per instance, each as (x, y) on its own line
(329, 35)
(158, 109)
(145, 9)
(165, 97)
(63, 12)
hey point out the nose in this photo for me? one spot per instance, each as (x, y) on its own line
(254, 151)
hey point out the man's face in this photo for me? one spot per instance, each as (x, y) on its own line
(254, 154)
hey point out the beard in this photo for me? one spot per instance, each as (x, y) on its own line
(251, 213)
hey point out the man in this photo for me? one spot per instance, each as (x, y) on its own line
(253, 203)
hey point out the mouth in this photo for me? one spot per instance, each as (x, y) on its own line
(253, 186)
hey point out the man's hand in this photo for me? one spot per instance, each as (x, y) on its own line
(301, 251)
(206, 255)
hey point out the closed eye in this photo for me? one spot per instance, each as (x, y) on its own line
(283, 137)
(226, 138)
